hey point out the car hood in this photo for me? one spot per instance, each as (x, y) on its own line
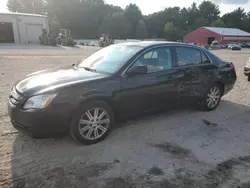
(46, 80)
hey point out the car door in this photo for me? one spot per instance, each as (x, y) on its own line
(153, 90)
(197, 71)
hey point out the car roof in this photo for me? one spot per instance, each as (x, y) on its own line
(146, 44)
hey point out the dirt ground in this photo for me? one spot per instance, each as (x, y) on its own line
(182, 148)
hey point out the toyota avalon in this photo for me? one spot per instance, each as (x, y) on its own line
(84, 99)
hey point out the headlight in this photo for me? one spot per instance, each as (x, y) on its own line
(39, 101)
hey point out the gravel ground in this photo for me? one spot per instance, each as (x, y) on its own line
(182, 148)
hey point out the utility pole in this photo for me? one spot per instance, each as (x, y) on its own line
(33, 6)
(221, 39)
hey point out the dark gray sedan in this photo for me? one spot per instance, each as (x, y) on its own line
(85, 99)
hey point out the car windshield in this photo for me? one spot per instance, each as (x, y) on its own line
(109, 59)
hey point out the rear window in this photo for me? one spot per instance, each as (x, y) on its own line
(215, 59)
(213, 56)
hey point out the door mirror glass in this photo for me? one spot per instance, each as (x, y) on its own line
(138, 70)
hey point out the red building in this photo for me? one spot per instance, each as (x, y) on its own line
(206, 35)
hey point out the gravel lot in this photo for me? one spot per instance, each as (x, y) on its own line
(182, 148)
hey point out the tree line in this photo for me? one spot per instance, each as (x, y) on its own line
(90, 18)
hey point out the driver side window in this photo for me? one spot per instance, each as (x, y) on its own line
(156, 60)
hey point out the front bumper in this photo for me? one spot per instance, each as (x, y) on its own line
(247, 71)
(50, 122)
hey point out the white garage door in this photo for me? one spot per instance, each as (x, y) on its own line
(33, 32)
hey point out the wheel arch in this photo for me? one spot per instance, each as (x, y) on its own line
(222, 86)
(74, 124)
(85, 101)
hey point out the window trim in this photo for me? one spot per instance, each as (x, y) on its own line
(173, 52)
(207, 56)
(144, 52)
(210, 62)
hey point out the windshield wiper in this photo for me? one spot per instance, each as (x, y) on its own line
(89, 69)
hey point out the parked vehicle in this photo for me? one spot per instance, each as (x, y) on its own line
(47, 38)
(64, 38)
(228, 44)
(105, 40)
(243, 45)
(234, 47)
(120, 80)
(247, 69)
(248, 45)
(223, 46)
(215, 45)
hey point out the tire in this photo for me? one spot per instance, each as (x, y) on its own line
(214, 93)
(248, 78)
(93, 131)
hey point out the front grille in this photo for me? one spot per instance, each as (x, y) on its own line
(14, 98)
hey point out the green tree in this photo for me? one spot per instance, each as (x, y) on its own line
(237, 19)
(247, 21)
(193, 17)
(133, 14)
(141, 30)
(88, 18)
(83, 17)
(157, 21)
(27, 6)
(93, 2)
(153, 25)
(116, 25)
(209, 11)
(170, 31)
(14, 6)
(218, 23)
(200, 22)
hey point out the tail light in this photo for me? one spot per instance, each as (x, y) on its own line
(233, 67)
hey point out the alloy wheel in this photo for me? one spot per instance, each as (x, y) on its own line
(213, 97)
(94, 123)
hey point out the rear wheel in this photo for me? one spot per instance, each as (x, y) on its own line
(92, 123)
(248, 78)
(212, 98)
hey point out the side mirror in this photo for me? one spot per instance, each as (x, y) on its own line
(138, 70)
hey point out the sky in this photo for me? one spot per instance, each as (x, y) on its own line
(148, 7)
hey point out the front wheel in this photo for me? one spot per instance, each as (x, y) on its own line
(248, 78)
(92, 123)
(212, 98)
